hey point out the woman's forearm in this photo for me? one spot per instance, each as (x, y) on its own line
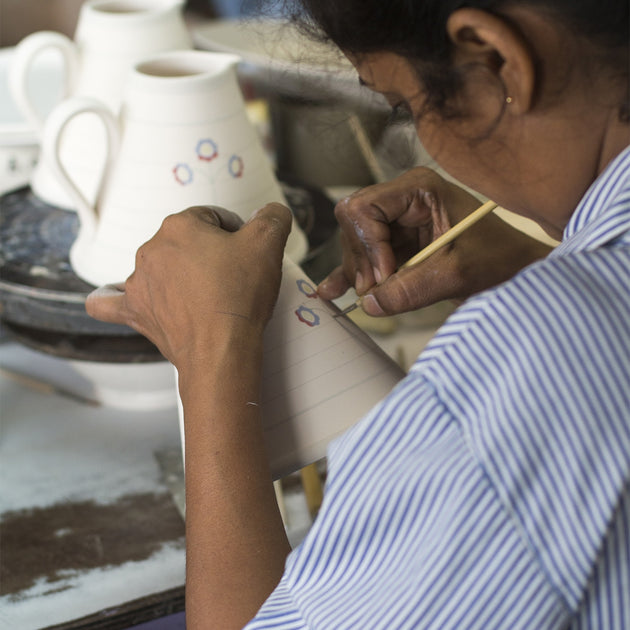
(235, 540)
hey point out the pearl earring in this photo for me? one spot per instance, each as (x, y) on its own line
(508, 100)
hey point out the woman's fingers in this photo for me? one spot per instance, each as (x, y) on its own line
(216, 216)
(383, 223)
(108, 304)
(270, 227)
(431, 281)
(366, 236)
(335, 285)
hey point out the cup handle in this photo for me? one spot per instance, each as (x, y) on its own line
(24, 54)
(50, 152)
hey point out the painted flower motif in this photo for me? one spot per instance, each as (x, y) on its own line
(236, 166)
(207, 149)
(183, 174)
(307, 316)
(306, 288)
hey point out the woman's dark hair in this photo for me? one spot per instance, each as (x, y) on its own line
(416, 29)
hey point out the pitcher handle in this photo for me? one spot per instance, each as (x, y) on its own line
(50, 152)
(19, 68)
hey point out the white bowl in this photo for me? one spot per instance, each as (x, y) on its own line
(131, 386)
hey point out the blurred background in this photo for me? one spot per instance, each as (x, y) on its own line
(18, 18)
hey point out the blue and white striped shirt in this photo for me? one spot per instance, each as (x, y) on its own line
(491, 488)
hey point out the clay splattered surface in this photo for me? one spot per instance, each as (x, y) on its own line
(50, 544)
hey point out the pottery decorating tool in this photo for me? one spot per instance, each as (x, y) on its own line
(438, 243)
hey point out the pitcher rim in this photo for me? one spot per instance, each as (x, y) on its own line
(148, 9)
(228, 61)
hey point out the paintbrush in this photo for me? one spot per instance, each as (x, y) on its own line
(438, 243)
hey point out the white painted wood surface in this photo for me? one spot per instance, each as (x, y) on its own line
(55, 451)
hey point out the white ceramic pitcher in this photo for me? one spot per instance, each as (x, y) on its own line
(111, 36)
(182, 138)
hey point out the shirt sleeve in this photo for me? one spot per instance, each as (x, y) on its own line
(411, 534)
(278, 612)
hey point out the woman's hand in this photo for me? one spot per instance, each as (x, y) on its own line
(203, 277)
(382, 226)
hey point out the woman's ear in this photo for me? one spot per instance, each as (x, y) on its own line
(480, 37)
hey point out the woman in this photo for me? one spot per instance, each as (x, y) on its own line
(491, 488)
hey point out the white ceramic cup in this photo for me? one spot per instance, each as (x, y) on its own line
(111, 36)
(182, 138)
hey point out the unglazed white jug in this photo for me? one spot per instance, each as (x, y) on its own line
(182, 138)
(111, 36)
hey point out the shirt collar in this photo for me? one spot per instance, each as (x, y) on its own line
(597, 201)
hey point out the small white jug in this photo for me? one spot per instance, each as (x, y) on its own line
(182, 138)
(111, 36)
